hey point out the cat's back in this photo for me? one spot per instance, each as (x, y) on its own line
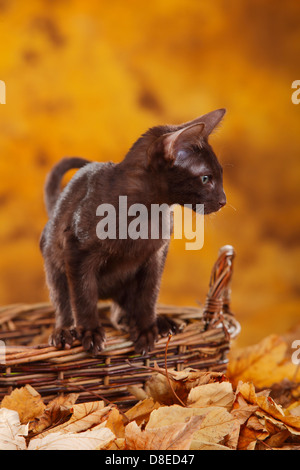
(82, 186)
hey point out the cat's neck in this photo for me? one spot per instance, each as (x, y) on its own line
(141, 184)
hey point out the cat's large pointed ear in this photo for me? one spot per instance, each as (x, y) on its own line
(164, 149)
(211, 120)
(181, 139)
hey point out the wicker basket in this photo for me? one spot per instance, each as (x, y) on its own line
(202, 343)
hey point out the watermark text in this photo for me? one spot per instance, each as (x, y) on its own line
(2, 92)
(159, 221)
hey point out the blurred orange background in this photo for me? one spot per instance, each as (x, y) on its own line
(87, 78)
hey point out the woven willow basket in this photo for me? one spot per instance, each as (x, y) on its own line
(202, 343)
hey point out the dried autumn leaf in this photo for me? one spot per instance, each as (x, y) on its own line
(88, 440)
(12, 432)
(263, 364)
(251, 433)
(213, 394)
(241, 410)
(216, 423)
(115, 423)
(158, 385)
(117, 444)
(84, 416)
(275, 414)
(56, 411)
(268, 407)
(141, 410)
(176, 436)
(26, 401)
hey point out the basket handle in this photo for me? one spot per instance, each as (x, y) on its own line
(218, 298)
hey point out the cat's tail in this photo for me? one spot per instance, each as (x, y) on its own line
(54, 178)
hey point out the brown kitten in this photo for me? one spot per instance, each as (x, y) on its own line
(167, 165)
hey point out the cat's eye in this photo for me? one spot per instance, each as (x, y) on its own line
(205, 179)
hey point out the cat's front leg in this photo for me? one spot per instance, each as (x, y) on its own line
(61, 336)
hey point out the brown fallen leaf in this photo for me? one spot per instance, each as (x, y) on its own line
(84, 416)
(269, 408)
(176, 436)
(26, 401)
(158, 385)
(141, 411)
(114, 422)
(241, 410)
(55, 412)
(215, 425)
(251, 434)
(212, 394)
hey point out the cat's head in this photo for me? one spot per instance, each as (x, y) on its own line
(182, 154)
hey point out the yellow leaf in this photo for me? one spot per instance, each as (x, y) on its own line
(26, 401)
(263, 364)
(115, 423)
(141, 410)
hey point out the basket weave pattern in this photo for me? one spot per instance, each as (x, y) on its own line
(202, 343)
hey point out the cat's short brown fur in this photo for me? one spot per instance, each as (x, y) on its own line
(168, 164)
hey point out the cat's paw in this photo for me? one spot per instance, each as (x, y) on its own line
(144, 340)
(92, 340)
(61, 338)
(166, 326)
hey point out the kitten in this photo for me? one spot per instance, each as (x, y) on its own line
(167, 164)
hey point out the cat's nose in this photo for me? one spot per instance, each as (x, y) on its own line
(222, 200)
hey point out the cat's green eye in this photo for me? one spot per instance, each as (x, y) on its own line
(205, 179)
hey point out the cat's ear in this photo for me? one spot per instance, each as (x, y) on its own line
(178, 140)
(211, 121)
(164, 149)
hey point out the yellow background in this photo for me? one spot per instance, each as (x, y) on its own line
(87, 78)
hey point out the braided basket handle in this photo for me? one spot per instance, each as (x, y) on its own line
(218, 298)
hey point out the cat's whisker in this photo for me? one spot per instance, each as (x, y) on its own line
(232, 207)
